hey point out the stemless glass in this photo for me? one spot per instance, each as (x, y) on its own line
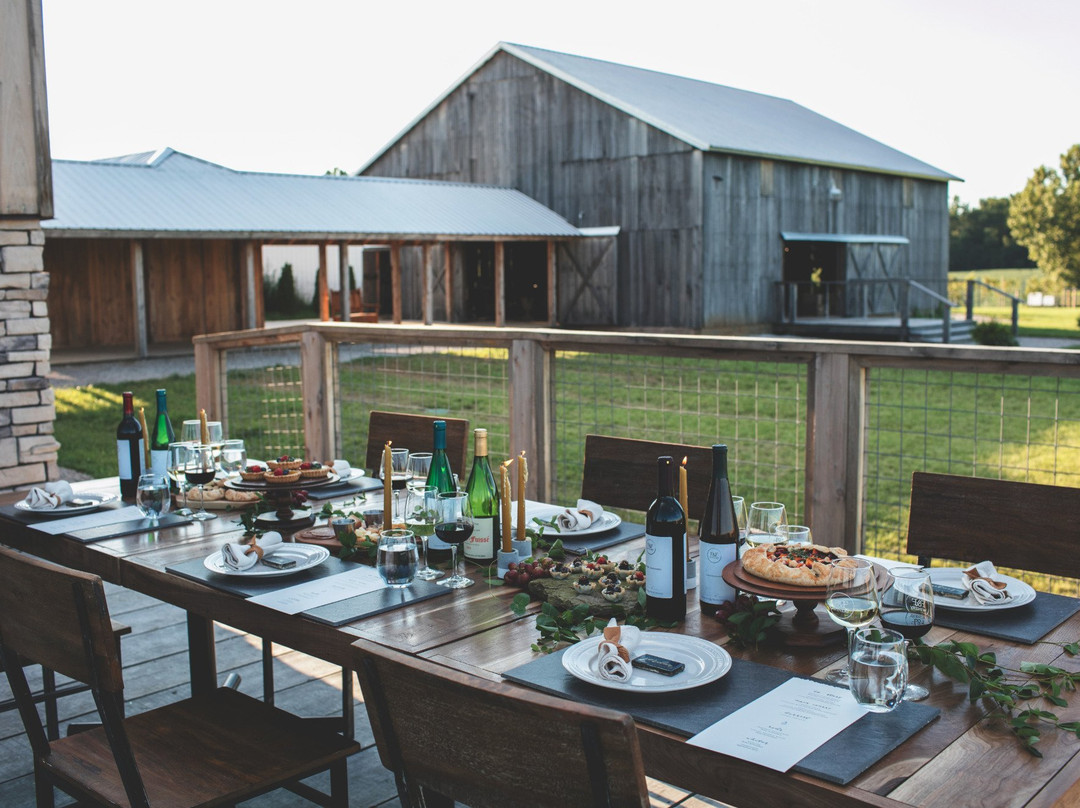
(851, 599)
(233, 456)
(421, 507)
(879, 669)
(907, 607)
(454, 525)
(199, 469)
(175, 467)
(763, 521)
(152, 496)
(395, 558)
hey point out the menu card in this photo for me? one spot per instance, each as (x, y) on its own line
(783, 726)
(310, 594)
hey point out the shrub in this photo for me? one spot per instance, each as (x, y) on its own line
(281, 298)
(994, 333)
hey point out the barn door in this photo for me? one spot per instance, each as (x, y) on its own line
(586, 269)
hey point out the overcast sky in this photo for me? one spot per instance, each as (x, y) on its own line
(984, 89)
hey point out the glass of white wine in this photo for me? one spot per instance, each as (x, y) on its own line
(852, 600)
(762, 523)
(421, 507)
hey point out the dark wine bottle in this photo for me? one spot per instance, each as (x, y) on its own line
(161, 437)
(718, 536)
(484, 501)
(665, 550)
(440, 476)
(129, 450)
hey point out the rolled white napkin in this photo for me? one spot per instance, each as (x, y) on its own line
(985, 584)
(241, 557)
(341, 468)
(616, 650)
(580, 517)
(49, 496)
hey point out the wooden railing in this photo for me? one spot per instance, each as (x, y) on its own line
(833, 401)
(1014, 301)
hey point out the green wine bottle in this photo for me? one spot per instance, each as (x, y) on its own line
(160, 438)
(484, 499)
(440, 476)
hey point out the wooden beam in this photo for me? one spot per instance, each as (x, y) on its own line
(500, 284)
(448, 279)
(138, 295)
(395, 279)
(343, 281)
(552, 318)
(429, 287)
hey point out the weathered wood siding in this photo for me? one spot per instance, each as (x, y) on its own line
(744, 218)
(90, 292)
(511, 124)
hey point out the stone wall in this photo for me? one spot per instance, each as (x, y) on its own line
(28, 449)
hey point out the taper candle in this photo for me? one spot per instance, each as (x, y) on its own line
(204, 428)
(146, 438)
(388, 493)
(682, 501)
(507, 535)
(523, 476)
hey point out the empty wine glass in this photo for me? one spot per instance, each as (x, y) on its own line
(907, 607)
(199, 469)
(740, 514)
(454, 525)
(794, 534)
(851, 599)
(879, 669)
(762, 523)
(233, 456)
(191, 431)
(421, 508)
(175, 467)
(419, 466)
(152, 496)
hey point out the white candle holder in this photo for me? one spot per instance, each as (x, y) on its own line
(523, 548)
(503, 562)
(691, 574)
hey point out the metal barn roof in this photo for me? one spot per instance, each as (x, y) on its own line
(170, 193)
(712, 117)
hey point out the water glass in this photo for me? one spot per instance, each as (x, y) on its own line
(762, 522)
(153, 496)
(233, 456)
(396, 558)
(879, 669)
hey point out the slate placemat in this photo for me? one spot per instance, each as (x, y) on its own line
(377, 602)
(194, 570)
(687, 712)
(92, 534)
(349, 489)
(1027, 624)
(583, 544)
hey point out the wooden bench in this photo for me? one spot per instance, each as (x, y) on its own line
(359, 311)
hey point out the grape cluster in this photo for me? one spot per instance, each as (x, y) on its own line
(743, 603)
(520, 574)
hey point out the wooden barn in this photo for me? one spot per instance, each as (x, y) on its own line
(148, 250)
(719, 194)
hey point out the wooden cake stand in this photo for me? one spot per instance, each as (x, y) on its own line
(284, 517)
(803, 626)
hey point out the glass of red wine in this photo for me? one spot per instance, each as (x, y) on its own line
(907, 607)
(199, 469)
(454, 525)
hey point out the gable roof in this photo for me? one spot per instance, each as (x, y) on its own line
(711, 117)
(170, 193)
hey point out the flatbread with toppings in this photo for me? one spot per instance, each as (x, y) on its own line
(795, 565)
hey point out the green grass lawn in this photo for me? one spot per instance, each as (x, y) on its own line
(1038, 321)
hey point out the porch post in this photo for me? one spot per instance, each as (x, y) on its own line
(553, 318)
(500, 284)
(428, 287)
(138, 292)
(395, 279)
(324, 285)
(448, 280)
(343, 281)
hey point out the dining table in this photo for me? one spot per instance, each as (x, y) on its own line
(963, 755)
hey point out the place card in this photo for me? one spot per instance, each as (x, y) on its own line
(110, 516)
(783, 726)
(311, 594)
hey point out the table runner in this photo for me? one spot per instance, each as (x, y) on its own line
(687, 712)
(342, 490)
(1027, 624)
(126, 528)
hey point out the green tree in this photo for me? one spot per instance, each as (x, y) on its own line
(979, 236)
(1045, 218)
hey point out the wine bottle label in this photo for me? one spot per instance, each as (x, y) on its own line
(659, 576)
(435, 543)
(159, 461)
(712, 587)
(478, 545)
(123, 458)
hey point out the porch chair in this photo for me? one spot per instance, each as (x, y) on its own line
(1024, 526)
(415, 434)
(449, 736)
(215, 750)
(621, 472)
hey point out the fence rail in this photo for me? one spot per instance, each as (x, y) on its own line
(832, 428)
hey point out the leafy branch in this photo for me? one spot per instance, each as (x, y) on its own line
(1008, 688)
(574, 624)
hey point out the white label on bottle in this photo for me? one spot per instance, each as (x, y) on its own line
(159, 462)
(479, 544)
(712, 587)
(435, 543)
(659, 576)
(123, 458)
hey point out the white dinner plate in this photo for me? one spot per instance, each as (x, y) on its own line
(607, 521)
(94, 501)
(1022, 593)
(705, 662)
(306, 556)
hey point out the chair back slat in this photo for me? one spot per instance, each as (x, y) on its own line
(40, 606)
(414, 432)
(471, 740)
(1024, 526)
(621, 472)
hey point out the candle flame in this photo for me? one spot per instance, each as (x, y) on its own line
(684, 460)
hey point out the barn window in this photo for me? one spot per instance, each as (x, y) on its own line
(909, 192)
(766, 177)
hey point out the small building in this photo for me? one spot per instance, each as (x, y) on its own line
(719, 194)
(150, 249)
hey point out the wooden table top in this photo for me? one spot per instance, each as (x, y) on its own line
(959, 759)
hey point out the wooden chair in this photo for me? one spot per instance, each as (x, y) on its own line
(359, 311)
(414, 433)
(448, 735)
(1023, 526)
(621, 472)
(212, 750)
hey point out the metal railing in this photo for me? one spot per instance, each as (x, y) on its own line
(832, 428)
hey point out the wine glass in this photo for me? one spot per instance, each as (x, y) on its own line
(395, 558)
(233, 456)
(794, 534)
(191, 431)
(454, 525)
(152, 496)
(740, 515)
(907, 607)
(175, 467)
(879, 669)
(762, 523)
(419, 466)
(399, 475)
(421, 507)
(851, 599)
(199, 469)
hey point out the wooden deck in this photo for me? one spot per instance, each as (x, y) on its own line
(882, 329)
(156, 672)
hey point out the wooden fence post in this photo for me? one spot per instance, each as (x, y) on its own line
(529, 382)
(316, 379)
(210, 392)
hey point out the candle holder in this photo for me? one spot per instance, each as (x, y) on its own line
(691, 574)
(522, 547)
(504, 561)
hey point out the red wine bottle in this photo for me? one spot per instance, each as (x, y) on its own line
(129, 450)
(718, 536)
(665, 550)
